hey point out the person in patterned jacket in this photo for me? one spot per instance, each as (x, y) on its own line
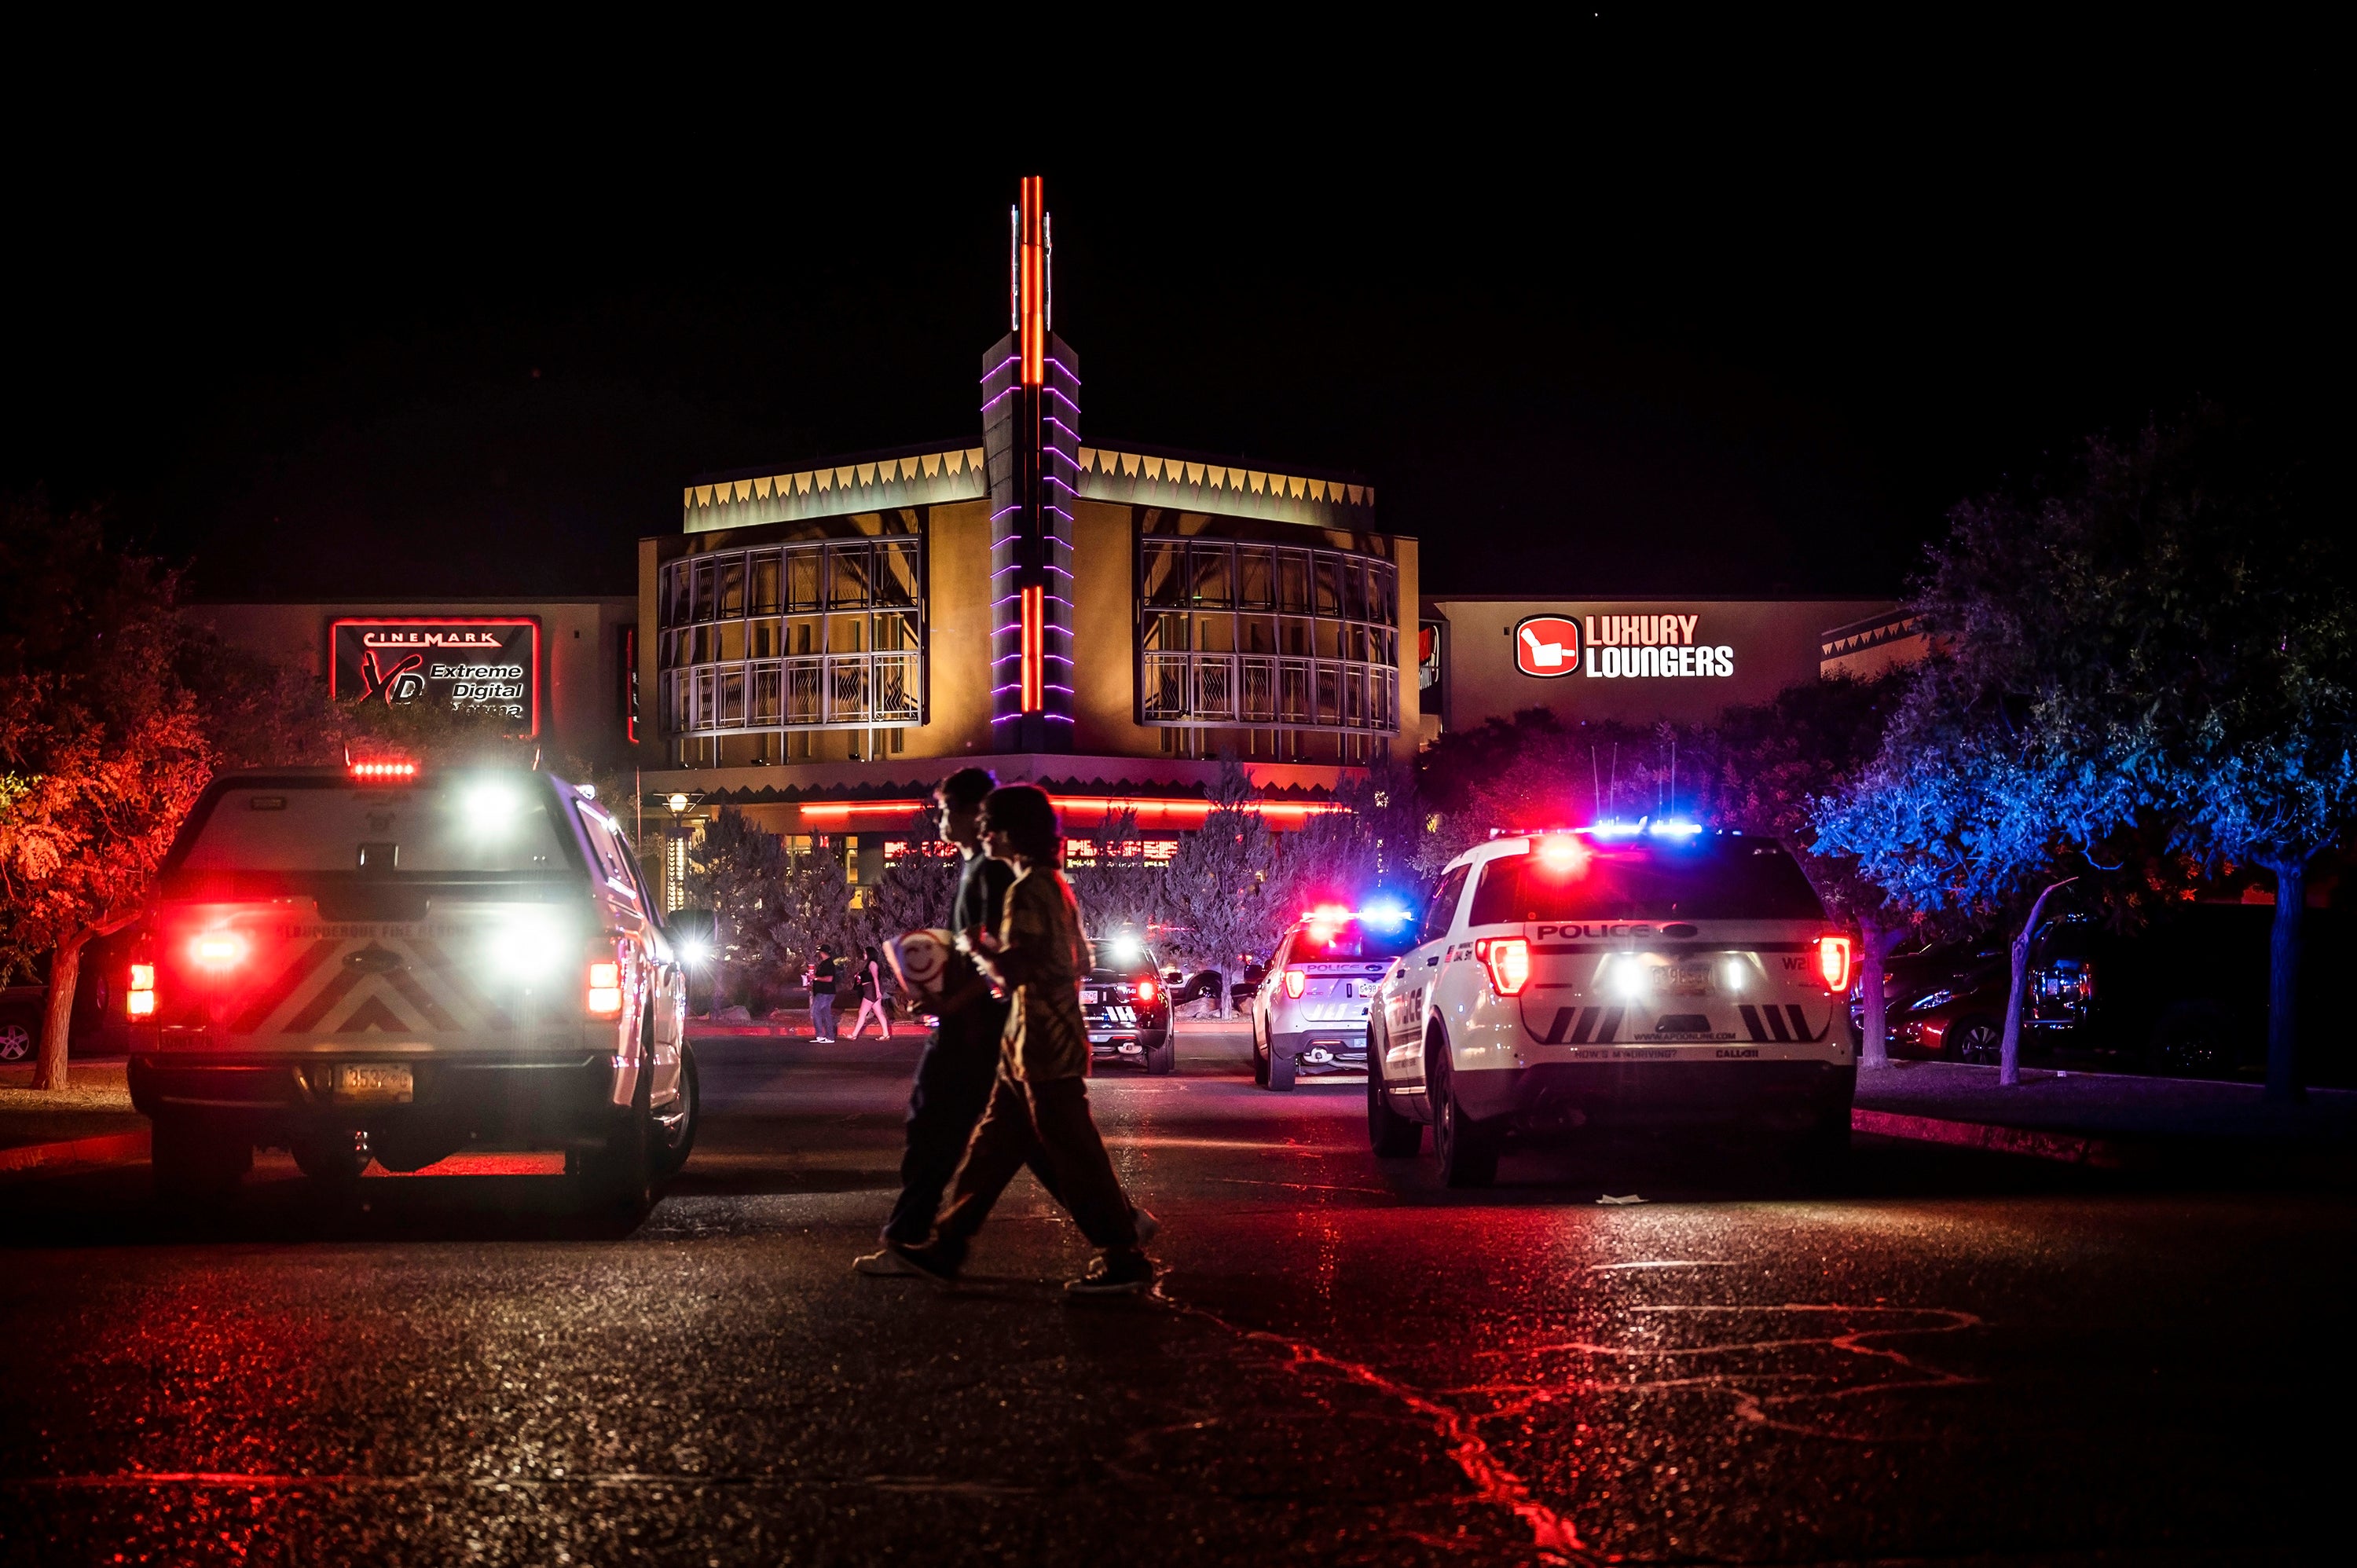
(1039, 1107)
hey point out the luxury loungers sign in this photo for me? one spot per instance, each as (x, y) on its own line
(1619, 647)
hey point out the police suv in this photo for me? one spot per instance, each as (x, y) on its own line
(1651, 974)
(1309, 1010)
(393, 963)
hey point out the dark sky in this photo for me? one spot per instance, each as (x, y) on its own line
(1610, 311)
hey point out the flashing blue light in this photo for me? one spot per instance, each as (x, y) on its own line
(1643, 827)
(1385, 914)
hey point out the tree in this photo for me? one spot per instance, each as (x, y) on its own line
(1118, 889)
(1765, 768)
(102, 747)
(2206, 651)
(738, 872)
(1221, 895)
(2157, 655)
(917, 888)
(817, 902)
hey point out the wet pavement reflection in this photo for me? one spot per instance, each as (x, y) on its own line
(1951, 1357)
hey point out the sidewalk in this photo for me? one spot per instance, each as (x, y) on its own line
(91, 1123)
(2110, 1119)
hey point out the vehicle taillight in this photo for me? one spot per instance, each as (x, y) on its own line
(1296, 983)
(1508, 960)
(385, 772)
(605, 989)
(1146, 991)
(1832, 962)
(139, 997)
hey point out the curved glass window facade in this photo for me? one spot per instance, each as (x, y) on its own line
(1238, 634)
(823, 636)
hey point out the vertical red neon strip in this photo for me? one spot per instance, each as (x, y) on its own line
(1033, 639)
(1033, 272)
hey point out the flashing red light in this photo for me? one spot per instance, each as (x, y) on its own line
(218, 950)
(1508, 960)
(1295, 981)
(1832, 962)
(384, 772)
(1562, 854)
(1147, 991)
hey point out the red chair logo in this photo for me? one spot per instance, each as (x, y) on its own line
(1546, 646)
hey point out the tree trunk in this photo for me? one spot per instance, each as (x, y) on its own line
(1873, 941)
(2008, 1070)
(57, 1021)
(2283, 982)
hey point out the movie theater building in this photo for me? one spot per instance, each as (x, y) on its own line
(825, 641)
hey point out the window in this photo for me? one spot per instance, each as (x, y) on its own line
(1443, 907)
(1731, 879)
(1222, 623)
(824, 635)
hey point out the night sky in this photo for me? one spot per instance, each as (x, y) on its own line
(1632, 317)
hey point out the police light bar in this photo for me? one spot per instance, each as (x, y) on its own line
(384, 772)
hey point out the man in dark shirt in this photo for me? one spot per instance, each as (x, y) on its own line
(821, 995)
(955, 1075)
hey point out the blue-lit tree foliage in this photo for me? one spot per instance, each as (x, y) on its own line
(2160, 652)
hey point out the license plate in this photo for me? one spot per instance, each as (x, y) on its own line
(1680, 978)
(384, 1084)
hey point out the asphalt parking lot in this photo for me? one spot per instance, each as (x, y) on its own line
(1953, 1356)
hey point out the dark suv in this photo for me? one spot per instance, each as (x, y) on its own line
(1125, 1002)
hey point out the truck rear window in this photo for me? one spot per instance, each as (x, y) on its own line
(1731, 879)
(1340, 944)
(489, 823)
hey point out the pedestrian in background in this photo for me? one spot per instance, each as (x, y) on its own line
(1038, 1110)
(846, 985)
(871, 994)
(820, 977)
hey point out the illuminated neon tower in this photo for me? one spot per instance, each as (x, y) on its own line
(1031, 440)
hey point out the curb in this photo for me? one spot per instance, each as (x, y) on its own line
(2064, 1147)
(115, 1148)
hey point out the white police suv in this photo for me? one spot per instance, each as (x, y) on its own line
(1648, 974)
(1310, 1011)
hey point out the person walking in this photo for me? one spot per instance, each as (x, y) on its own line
(1038, 1108)
(820, 979)
(954, 1072)
(846, 986)
(871, 994)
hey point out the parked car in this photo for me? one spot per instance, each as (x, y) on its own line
(2185, 994)
(1126, 1002)
(20, 1021)
(391, 963)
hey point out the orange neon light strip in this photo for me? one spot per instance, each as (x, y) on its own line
(1081, 811)
(1033, 642)
(1033, 273)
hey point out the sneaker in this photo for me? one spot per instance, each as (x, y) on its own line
(922, 1263)
(1148, 1227)
(889, 1263)
(1108, 1274)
